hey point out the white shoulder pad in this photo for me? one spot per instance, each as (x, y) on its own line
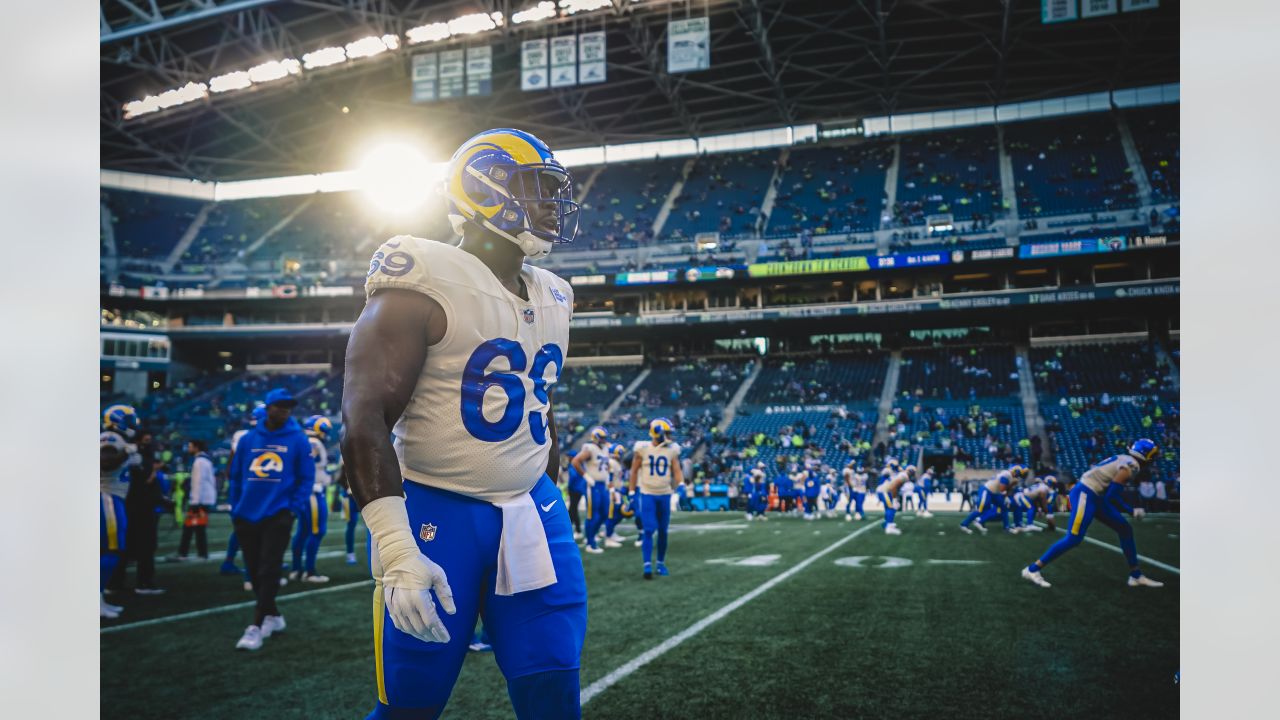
(640, 444)
(404, 262)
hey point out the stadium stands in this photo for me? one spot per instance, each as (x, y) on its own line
(955, 172)
(832, 436)
(589, 390)
(808, 381)
(957, 373)
(722, 193)
(232, 227)
(1155, 133)
(986, 435)
(1124, 368)
(623, 202)
(148, 226)
(832, 189)
(1073, 165)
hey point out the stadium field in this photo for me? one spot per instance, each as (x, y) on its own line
(782, 619)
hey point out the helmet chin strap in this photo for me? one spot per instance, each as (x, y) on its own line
(531, 245)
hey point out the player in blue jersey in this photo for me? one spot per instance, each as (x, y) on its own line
(1096, 496)
(313, 524)
(116, 456)
(812, 488)
(457, 353)
(656, 471)
(993, 498)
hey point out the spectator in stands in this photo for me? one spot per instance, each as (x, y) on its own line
(200, 501)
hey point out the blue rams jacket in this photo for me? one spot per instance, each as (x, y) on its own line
(273, 471)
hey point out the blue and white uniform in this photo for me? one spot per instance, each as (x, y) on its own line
(993, 497)
(657, 462)
(313, 523)
(595, 466)
(855, 486)
(474, 435)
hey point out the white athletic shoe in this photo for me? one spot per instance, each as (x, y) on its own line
(639, 542)
(848, 518)
(892, 530)
(577, 535)
(965, 529)
(611, 543)
(617, 538)
(272, 624)
(926, 514)
(248, 586)
(748, 516)
(351, 558)
(857, 516)
(593, 550)
(1032, 528)
(251, 640)
(1014, 530)
(294, 574)
(107, 610)
(1144, 581)
(284, 581)
(316, 579)
(981, 528)
(1035, 577)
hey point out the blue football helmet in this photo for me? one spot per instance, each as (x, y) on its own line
(599, 434)
(659, 429)
(319, 425)
(497, 176)
(617, 450)
(1020, 472)
(1144, 449)
(122, 419)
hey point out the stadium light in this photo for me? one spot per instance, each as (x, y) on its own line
(190, 92)
(397, 177)
(231, 81)
(471, 24)
(428, 33)
(274, 70)
(323, 57)
(572, 7)
(541, 11)
(372, 45)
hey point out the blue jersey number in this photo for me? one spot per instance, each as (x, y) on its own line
(476, 382)
(657, 465)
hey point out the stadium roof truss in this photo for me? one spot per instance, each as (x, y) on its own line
(772, 62)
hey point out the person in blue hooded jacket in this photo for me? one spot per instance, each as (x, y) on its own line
(271, 478)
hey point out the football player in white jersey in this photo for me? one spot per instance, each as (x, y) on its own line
(1032, 499)
(456, 353)
(592, 461)
(993, 497)
(619, 503)
(116, 455)
(656, 470)
(259, 414)
(314, 522)
(889, 491)
(855, 486)
(1093, 497)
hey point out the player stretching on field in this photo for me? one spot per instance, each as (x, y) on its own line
(888, 492)
(1092, 497)
(992, 497)
(456, 352)
(656, 469)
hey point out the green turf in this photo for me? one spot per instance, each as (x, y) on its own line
(829, 642)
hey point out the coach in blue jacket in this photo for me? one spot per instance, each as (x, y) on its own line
(271, 479)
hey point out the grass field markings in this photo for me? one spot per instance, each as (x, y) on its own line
(228, 608)
(958, 562)
(858, 561)
(725, 525)
(672, 642)
(748, 561)
(1114, 548)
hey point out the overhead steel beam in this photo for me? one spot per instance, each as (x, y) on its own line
(155, 21)
(754, 23)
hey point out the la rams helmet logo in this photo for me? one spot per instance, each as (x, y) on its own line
(528, 316)
(427, 532)
(265, 464)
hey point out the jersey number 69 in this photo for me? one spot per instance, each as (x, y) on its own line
(475, 382)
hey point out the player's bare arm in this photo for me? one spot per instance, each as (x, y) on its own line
(553, 457)
(385, 355)
(635, 472)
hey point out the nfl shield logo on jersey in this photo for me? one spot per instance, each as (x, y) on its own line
(428, 532)
(528, 316)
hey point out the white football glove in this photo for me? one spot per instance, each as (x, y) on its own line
(407, 576)
(1138, 513)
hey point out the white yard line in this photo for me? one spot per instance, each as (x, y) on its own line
(228, 608)
(670, 643)
(1113, 548)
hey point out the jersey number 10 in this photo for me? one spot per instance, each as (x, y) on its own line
(657, 465)
(475, 382)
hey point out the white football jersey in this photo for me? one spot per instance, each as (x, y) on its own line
(656, 461)
(235, 438)
(1002, 482)
(757, 475)
(616, 471)
(595, 463)
(321, 458)
(1099, 477)
(116, 482)
(477, 421)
